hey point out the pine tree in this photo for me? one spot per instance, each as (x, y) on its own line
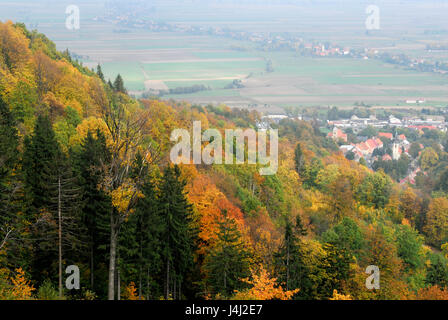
(299, 159)
(41, 160)
(100, 73)
(8, 142)
(140, 241)
(109, 83)
(178, 236)
(9, 185)
(228, 262)
(335, 269)
(300, 228)
(96, 204)
(119, 84)
(140, 246)
(437, 272)
(66, 196)
(290, 264)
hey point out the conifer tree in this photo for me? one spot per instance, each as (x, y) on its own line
(100, 73)
(140, 245)
(119, 84)
(110, 84)
(9, 185)
(140, 240)
(40, 160)
(96, 204)
(178, 236)
(290, 264)
(65, 196)
(299, 159)
(335, 269)
(41, 165)
(228, 262)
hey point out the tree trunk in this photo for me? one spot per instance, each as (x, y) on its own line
(174, 289)
(140, 286)
(91, 267)
(287, 268)
(147, 283)
(60, 235)
(225, 280)
(112, 258)
(168, 279)
(118, 285)
(140, 292)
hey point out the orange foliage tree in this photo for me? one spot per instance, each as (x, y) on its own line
(432, 293)
(22, 288)
(210, 203)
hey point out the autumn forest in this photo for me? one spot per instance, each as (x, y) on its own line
(86, 180)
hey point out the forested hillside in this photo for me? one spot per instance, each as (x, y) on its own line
(86, 180)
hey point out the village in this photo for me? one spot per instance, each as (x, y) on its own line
(377, 143)
(388, 144)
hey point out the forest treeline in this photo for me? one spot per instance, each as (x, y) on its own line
(85, 180)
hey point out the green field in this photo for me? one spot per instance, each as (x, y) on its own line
(167, 60)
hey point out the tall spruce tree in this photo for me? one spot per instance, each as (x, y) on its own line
(8, 143)
(299, 159)
(9, 185)
(100, 73)
(334, 271)
(290, 264)
(228, 261)
(141, 246)
(40, 160)
(96, 206)
(42, 166)
(178, 235)
(119, 84)
(65, 211)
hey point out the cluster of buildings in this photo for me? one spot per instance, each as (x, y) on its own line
(431, 122)
(132, 18)
(418, 64)
(324, 51)
(411, 177)
(365, 149)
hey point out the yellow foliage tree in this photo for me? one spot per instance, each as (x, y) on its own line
(22, 288)
(123, 195)
(436, 227)
(337, 296)
(263, 288)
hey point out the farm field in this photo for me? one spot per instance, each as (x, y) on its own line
(298, 81)
(295, 81)
(166, 60)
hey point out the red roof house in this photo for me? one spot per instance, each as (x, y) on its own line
(387, 135)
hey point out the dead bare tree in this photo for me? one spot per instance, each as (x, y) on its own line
(68, 195)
